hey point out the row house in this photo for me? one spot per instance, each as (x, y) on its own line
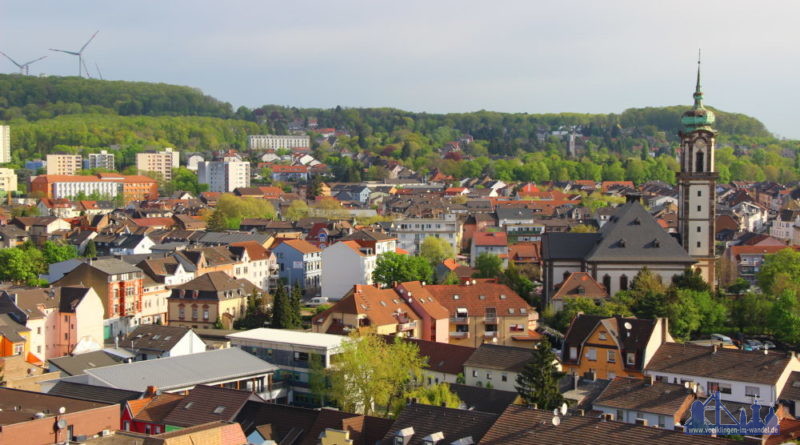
(119, 286)
(651, 403)
(300, 264)
(344, 264)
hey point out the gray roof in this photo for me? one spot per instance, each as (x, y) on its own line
(182, 371)
(113, 266)
(567, 246)
(78, 364)
(221, 238)
(92, 393)
(633, 235)
(504, 358)
(514, 213)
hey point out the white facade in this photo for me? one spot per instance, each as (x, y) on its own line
(497, 379)
(411, 232)
(162, 162)
(8, 180)
(224, 176)
(69, 189)
(104, 159)
(274, 141)
(193, 161)
(89, 321)
(254, 271)
(342, 267)
(63, 164)
(154, 303)
(5, 144)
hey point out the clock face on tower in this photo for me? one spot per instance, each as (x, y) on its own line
(700, 144)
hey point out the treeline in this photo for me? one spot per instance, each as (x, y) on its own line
(34, 98)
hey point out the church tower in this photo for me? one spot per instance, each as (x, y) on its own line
(697, 183)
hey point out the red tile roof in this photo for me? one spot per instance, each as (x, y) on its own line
(476, 298)
(490, 239)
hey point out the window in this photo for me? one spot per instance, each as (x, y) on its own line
(725, 388)
(607, 282)
(301, 356)
(630, 358)
(573, 353)
(699, 193)
(620, 415)
(194, 312)
(591, 354)
(181, 312)
(752, 391)
(126, 425)
(219, 409)
(699, 229)
(623, 282)
(147, 429)
(602, 335)
(504, 377)
(699, 244)
(712, 387)
(699, 208)
(488, 376)
(474, 373)
(612, 356)
(157, 429)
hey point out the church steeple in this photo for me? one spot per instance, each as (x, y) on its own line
(698, 118)
(698, 92)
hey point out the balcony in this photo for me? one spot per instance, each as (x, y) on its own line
(459, 320)
(490, 334)
(490, 319)
(459, 334)
(409, 326)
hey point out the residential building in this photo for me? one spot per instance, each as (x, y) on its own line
(294, 353)
(344, 264)
(255, 264)
(77, 364)
(119, 286)
(148, 342)
(5, 144)
(146, 415)
(289, 173)
(578, 285)
(14, 337)
(496, 366)
(42, 228)
(300, 264)
(493, 243)
(8, 180)
(206, 404)
(739, 376)
(193, 161)
(80, 321)
(107, 185)
(514, 216)
(276, 141)
(37, 310)
(379, 242)
(487, 400)
(104, 159)
(524, 232)
(370, 308)
(445, 362)
(161, 162)
(33, 418)
(522, 425)
(411, 232)
(745, 261)
(647, 402)
(209, 298)
(628, 242)
(224, 176)
(64, 164)
(228, 368)
(609, 347)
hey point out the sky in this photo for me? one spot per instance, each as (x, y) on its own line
(436, 56)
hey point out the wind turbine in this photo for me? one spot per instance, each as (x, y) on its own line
(79, 53)
(23, 68)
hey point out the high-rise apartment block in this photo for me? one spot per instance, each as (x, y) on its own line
(162, 162)
(224, 176)
(8, 180)
(276, 141)
(104, 159)
(64, 164)
(5, 144)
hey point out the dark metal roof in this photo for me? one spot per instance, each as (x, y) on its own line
(567, 246)
(93, 393)
(77, 364)
(483, 399)
(505, 358)
(453, 423)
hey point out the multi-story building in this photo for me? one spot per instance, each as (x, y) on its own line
(192, 162)
(496, 366)
(5, 144)
(493, 243)
(289, 173)
(107, 185)
(64, 164)
(8, 180)
(294, 353)
(300, 263)
(379, 242)
(224, 176)
(344, 264)
(275, 141)
(160, 162)
(745, 261)
(255, 263)
(104, 159)
(411, 232)
(214, 296)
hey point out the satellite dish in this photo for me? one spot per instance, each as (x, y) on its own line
(556, 421)
(62, 410)
(628, 325)
(61, 424)
(563, 408)
(555, 412)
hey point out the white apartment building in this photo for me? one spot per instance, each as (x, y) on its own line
(275, 141)
(162, 162)
(69, 189)
(5, 144)
(8, 180)
(64, 164)
(224, 176)
(104, 159)
(411, 232)
(344, 264)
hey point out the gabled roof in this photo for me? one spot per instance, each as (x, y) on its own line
(580, 285)
(255, 251)
(216, 282)
(157, 338)
(720, 363)
(643, 396)
(32, 402)
(71, 297)
(483, 399)
(11, 330)
(78, 364)
(504, 358)
(455, 424)
(156, 407)
(497, 239)
(301, 246)
(633, 339)
(368, 235)
(568, 246)
(476, 298)
(633, 235)
(208, 404)
(442, 357)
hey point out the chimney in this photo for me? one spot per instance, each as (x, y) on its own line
(575, 381)
(679, 428)
(640, 421)
(581, 413)
(664, 329)
(151, 391)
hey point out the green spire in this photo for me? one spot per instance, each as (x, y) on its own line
(698, 117)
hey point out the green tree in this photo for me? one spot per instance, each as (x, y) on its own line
(393, 268)
(780, 271)
(583, 228)
(488, 265)
(690, 279)
(297, 210)
(185, 180)
(21, 266)
(91, 249)
(314, 188)
(283, 315)
(56, 252)
(537, 383)
(435, 250)
(684, 314)
(295, 300)
(435, 395)
(750, 313)
(234, 209)
(784, 317)
(514, 278)
(372, 374)
(216, 223)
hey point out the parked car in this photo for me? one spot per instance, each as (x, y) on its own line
(723, 338)
(318, 301)
(752, 344)
(768, 344)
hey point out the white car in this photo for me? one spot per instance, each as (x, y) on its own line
(318, 301)
(723, 338)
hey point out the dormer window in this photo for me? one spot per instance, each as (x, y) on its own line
(621, 242)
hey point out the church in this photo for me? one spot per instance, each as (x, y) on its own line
(632, 239)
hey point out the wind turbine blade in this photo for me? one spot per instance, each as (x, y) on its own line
(12, 60)
(72, 53)
(89, 41)
(88, 74)
(99, 73)
(35, 60)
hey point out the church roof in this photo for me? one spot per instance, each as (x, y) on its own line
(633, 235)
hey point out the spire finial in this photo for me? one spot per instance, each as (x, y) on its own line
(698, 93)
(699, 57)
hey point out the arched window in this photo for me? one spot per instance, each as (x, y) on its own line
(698, 163)
(607, 282)
(623, 282)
